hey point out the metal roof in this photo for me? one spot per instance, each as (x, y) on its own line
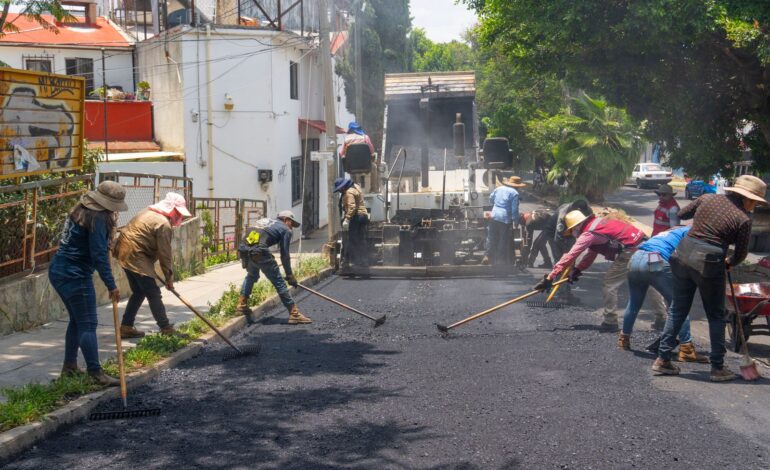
(411, 85)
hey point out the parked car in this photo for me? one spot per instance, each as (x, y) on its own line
(697, 188)
(650, 175)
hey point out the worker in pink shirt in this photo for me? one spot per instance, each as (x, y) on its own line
(356, 135)
(616, 241)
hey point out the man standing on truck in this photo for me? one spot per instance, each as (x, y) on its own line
(504, 216)
(355, 135)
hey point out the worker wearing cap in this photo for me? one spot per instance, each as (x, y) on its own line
(665, 215)
(700, 261)
(355, 219)
(143, 241)
(355, 135)
(616, 240)
(505, 215)
(254, 251)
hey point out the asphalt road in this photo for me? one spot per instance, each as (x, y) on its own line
(522, 388)
(639, 203)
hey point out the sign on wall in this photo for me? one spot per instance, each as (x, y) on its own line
(41, 122)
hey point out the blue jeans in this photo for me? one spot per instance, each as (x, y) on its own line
(270, 269)
(498, 242)
(646, 270)
(79, 298)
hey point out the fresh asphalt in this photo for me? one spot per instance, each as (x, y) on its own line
(521, 388)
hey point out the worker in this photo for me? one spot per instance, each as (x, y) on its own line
(505, 215)
(355, 219)
(700, 261)
(616, 240)
(254, 251)
(649, 266)
(143, 241)
(83, 248)
(540, 219)
(356, 135)
(665, 215)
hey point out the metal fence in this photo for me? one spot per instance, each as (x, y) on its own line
(32, 216)
(223, 221)
(143, 190)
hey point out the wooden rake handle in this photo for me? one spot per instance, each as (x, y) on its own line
(119, 346)
(336, 302)
(555, 288)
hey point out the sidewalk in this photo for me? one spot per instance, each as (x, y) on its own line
(36, 355)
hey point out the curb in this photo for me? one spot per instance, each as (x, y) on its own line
(21, 438)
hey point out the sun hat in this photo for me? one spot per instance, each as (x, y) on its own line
(573, 219)
(170, 203)
(514, 182)
(355, 127)
(750, 187)
(289, 215)
(665, 189)
(109, 195)
(342, 183)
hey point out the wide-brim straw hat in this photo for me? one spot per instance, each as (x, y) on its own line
(109, 196)
(750, 187)
(514, 182)
(665, 189)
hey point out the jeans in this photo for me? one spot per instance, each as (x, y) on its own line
(79, 298)
(696, 265)
(144, 287)
(646, 270)
(357, 247)
(498, 242)
(266, 263)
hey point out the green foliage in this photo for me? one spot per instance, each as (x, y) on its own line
(429, 56)
(143, 85)
(193, 268)
(35, 10)
(209, 230)
(220, 258)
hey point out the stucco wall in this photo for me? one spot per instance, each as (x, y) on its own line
(31, 301)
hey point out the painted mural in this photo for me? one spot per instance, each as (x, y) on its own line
(41, 122)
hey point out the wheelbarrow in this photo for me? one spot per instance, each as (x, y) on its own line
(753, 300)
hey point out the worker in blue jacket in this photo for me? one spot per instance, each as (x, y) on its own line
(505, 215)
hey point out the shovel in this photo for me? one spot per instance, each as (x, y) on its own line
(749, 370)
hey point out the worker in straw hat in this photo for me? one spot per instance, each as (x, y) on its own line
(504, 216)
(143, 241)
(665, 215)
(616, 240)
(255, 256)
(83, 248)
(700, 261)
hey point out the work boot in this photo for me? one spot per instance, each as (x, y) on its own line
(296, 317)
(70, 368)
(243, 306)
(722, 374)
(485, 261)
(171, 331)
(665, 367)
(687, 353)
(128, 332)
(659, 324)
(624, 342)
(103, 379)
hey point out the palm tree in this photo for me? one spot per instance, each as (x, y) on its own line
(598, 148)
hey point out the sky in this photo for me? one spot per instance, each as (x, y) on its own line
(442, 20)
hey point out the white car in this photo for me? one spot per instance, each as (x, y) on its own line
(650, 175)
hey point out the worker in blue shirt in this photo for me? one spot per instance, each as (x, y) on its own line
(505, 214)
(649, 267)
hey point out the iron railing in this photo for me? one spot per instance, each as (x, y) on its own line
(223, 221)
(144, 189)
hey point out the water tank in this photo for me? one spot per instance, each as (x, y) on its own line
(496, 153)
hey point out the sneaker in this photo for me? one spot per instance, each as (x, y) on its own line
(665, 367)
(128, 332)
(722, 374)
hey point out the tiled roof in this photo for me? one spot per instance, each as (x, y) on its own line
(103, 34)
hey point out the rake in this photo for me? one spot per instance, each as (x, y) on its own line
(549, 301)
(125, 413)
(377, 321)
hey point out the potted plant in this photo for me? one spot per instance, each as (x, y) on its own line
(98, 92)
(143, 91)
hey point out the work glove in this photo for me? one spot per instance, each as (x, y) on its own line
(291, 280)
(345, 224)
(545, 284)
(574, 275)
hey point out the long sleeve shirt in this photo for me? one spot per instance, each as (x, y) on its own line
(353, 202)
(587, 241)
(505, 205)
(143, 241)
(351, 139)
(665, 243)
(82, 251)
(271, 232)
(718, 220)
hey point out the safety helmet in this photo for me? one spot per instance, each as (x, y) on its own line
(573, 219)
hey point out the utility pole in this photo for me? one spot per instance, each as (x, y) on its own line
(331, 121)
(209, 115)
(104, 102)
(357, 52)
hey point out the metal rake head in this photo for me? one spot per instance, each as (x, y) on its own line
(443, 329)
(379, 321)
(125, 414)
(541, 304)
(243, 351)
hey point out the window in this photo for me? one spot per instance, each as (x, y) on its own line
(82, 68)
(296, 180)
(294, 80)
(39, 64)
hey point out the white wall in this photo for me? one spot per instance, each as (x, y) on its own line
(119, 63)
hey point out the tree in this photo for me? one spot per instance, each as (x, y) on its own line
(429, 56)
(595, 145)
(696, 70)
(34, 10)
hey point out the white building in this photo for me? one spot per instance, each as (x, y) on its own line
(75, 50)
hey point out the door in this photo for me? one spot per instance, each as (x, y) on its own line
(311, 201)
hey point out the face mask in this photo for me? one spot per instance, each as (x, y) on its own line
(175, 219)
